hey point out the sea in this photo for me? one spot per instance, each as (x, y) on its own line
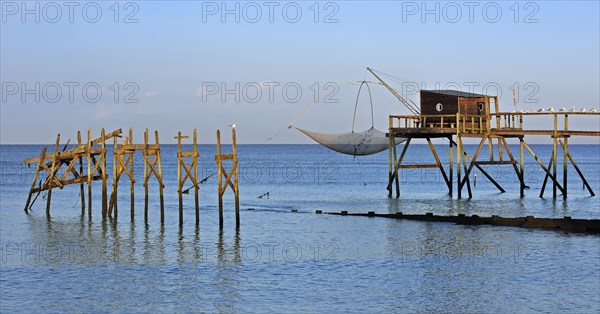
(287, 258)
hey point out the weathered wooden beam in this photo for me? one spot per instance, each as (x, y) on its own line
(52, 175)
(35, 177)
(541, 164)
(585, 183)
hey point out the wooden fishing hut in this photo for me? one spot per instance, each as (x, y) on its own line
(456, 115)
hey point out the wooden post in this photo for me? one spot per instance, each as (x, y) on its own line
(391, 158)
(396, 164)
(220, 174)
(467, 171)
(145, 152)
(52, 175)
(197, 183)
(554, 152)
(179, 182)
(90, 174)
(132, 182)
(451, 175)
(397, 167)
(522, 167)
(160, 180)
(565, 157)
(81, 189)
(458, 164)
(235, 179)
(104, 175)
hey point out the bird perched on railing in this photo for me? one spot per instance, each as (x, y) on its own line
(572, 109)
(563, 109)
(551, 109)
(582, 110)
(541, 110)
(593, 110)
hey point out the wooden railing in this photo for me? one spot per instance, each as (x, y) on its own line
(478, 124)
(442, 123)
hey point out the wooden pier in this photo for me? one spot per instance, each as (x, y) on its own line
(468, 115)
(66, 166)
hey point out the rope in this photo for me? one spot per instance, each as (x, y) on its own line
(186, 191)
(356, 105)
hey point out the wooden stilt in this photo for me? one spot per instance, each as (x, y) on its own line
(52, 175)
(146, 163)
(550, 166)
(132, 179)
(179, 182)
(397, 167)
(391, 158)
(513, 161)
(485, 173)
(228, 176)
(565, 148)
(522, 167)
(89, 171)
(220, 180)
(554, 153)
(458, 164)
(235, 179)
(81, 189)
(546, 170)
(159, 176)
(585, 183)
(466, 176)
(104, 175)
(451, 165)
(197, 183)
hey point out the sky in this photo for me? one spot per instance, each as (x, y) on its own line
(178, 65)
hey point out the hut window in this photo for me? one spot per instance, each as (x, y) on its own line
(439, 106)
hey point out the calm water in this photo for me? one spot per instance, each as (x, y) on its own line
(283, 261)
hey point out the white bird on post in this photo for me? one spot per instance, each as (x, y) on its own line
(232, 126)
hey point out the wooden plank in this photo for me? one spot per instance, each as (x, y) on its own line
(418, 166)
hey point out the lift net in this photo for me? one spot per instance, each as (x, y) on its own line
(363, 143)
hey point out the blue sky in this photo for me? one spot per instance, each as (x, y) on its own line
(172, 55)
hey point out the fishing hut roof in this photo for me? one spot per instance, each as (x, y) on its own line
(450, 92)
